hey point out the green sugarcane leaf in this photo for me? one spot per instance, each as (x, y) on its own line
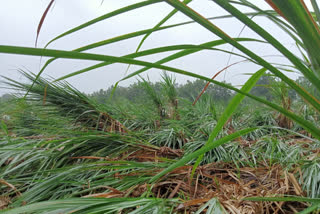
(232, 106)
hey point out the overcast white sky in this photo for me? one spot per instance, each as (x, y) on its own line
(19, 20)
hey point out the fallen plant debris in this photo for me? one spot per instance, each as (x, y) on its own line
(229, 184)
(226, 182)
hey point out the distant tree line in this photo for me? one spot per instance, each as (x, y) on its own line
(267, 87)
(137, 93)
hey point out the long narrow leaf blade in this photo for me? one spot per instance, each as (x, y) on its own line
(104, 17)
(232, 106)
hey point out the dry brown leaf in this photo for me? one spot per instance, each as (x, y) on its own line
(295, 183)
(4, 202)
(175, 190)
(192, 203)
(104, 195)
(10, 186)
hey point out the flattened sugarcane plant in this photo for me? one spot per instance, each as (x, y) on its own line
(69, 101)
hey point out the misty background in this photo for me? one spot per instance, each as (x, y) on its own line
(19, 21)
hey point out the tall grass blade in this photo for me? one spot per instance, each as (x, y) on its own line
(186, 50)
(171, 14)
(232, 106)
(104, 17)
